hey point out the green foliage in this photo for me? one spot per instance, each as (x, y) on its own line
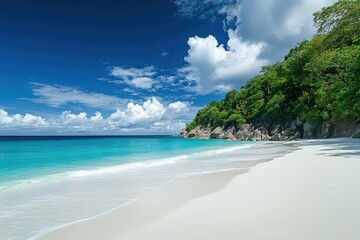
(340, 22)
(318, 80)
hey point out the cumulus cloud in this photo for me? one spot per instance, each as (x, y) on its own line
(18, 120)
(136, 77)
(179, 107)
(151, 116)
(78, 122)
(253, 41)
(142, 82)
(282, 23)
(170, 126)
(217, 68)
(280, 18)
(57, 96)
(151, 110)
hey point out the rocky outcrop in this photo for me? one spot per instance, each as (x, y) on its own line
(184, 133)
(332, 129)
(287, 132)
(196, 133)
(356, 135)
(217, 133)
(250, 133)
(230, 134)
(220, 133)
(294, 130)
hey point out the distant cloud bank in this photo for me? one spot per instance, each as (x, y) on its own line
(151, 116)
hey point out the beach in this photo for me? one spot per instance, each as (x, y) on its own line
(310, 193)
(71, 179)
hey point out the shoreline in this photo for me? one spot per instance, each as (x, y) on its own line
(37, 207)
(247, 164)
(157, 221)
(159, 198)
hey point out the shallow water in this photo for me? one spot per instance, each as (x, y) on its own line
(48, 183)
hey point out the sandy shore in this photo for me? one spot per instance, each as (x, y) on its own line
(312, 193)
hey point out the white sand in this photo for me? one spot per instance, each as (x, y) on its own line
(312, 193)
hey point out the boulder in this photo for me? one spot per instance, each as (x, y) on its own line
(308, 130)
(230, 134)
(275, 129)
(184, 133)
(264, 134)
(245, 133)
(356, 135)
(199, 133)
(217, 133)
(256, 136)
(192, 133)
(276, 137)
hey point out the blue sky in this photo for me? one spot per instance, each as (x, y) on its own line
(134, 67)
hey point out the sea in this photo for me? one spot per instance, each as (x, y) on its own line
(46, 182)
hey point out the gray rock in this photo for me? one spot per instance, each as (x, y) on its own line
(275, 129)
(245, 133)
(192, 133)
(217, 133)
(230, 134)
(264, 134)
(308, 130)
(184, 133)
(276, 137)
(256, 136)
(199, 133)
(356, 135)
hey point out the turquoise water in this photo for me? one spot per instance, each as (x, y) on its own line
(46, 182)
(29, 158)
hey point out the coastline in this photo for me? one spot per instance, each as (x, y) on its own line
(150, 206)
(285, 198)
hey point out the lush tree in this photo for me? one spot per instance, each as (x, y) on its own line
(340, 22)
(319, 79)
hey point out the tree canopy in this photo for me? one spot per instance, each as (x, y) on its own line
(319, 79)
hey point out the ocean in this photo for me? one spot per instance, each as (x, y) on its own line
(46, 182)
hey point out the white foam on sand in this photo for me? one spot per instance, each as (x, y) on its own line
(94, 191)
(312, 193)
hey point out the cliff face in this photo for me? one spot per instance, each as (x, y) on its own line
(295, 130)
(346, 128)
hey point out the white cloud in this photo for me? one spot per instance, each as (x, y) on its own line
(179, 107)
(280, 18)
(142, 82)
(215, 68)
(253, 42)
(79, 122)
(135, 77)
(57, 95)
(149, 111)
(4, 117)
(170, 126)
(21, 121)
(125, 73)
(149, 117)
(260, 32)
(97, 117)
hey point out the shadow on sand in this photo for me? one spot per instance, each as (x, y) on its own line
(341, 147)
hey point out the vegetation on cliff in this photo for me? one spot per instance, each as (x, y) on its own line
(319, 80)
